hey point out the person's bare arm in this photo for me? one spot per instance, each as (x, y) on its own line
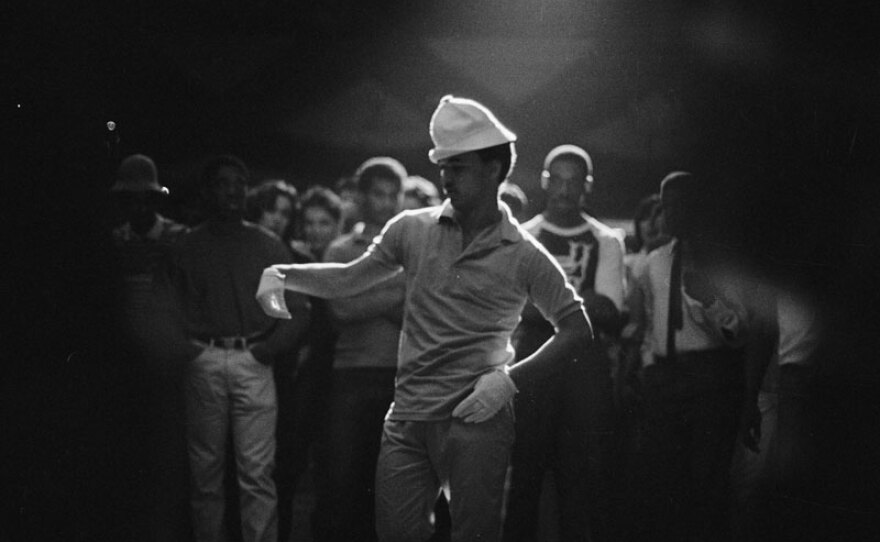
(573, 335)
(327, 280)
(335, 280)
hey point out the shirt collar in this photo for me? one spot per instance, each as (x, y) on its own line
(508, 230)
(444, 212)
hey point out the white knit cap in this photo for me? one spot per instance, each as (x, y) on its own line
(461, 125)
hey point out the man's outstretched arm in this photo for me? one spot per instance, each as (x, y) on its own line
(326, 280)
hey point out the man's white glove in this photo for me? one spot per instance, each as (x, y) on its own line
(270, 293)
(492, 391)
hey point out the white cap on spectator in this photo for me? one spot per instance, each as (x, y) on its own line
(460, 125)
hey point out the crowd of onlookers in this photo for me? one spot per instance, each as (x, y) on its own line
(688, 420)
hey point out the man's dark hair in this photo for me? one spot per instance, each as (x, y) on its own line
(217, 163)
(342, 184)
(504, 153)
(262, 198)
(692, 192)
(693, 215)
(380, 167)
(319, 196)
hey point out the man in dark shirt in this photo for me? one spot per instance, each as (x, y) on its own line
(695, 313)
(142, 239)
(229, 385)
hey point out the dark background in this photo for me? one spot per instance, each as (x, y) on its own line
(773, 104)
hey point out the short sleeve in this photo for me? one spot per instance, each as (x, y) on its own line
(548, 287)
(387, 247)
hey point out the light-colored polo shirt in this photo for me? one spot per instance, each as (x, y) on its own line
(463, 305)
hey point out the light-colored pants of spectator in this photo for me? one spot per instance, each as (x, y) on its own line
(229, 389)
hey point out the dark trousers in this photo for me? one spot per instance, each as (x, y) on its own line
(692, 414)
(302, 406)
(565, 425)
(771, 487)
(156, 347)
(347, 451)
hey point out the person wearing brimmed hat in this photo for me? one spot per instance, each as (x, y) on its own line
(469, 271)
(141, 238)
(136, 195)
(142, 241)
(137, 173)
(566, 425)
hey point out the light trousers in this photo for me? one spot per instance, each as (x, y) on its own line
(467, 461)
(229, 390)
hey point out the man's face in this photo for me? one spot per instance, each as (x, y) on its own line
(278, 218)
(137, 208)
(319, 228)
(468, 181)
(673, 202)
(652, 228)
(226, 194)
(382, 201)
(565, 187)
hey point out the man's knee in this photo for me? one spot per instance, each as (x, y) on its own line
(395, 529)
(402, 516)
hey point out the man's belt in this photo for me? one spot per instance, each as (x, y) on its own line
(230, 343)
